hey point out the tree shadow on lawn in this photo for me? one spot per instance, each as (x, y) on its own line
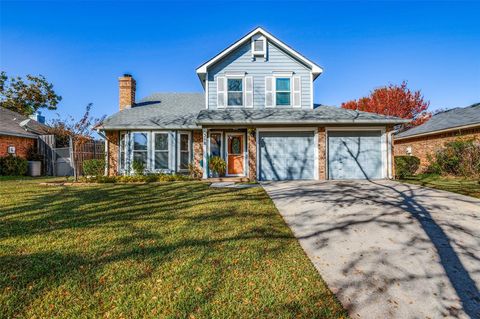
(132, 210)
(396, 200)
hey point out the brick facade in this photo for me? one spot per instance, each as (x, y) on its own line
(425, 146)
(112, 141)
(252, 154)
(198, 148)
(322, 153)
(22, 145)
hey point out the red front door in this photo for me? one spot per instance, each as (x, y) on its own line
(235, 154)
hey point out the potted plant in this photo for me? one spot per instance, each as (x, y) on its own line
(217, 166)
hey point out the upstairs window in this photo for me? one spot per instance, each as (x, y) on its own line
(282, 92)
(235, 92)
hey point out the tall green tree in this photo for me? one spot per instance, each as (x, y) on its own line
(27, 96)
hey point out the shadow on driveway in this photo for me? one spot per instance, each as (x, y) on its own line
(388, 249)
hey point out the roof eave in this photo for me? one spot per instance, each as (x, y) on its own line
(451, 129)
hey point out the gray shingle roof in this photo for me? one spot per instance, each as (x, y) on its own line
(453, 118)
(160, 110)
(319, 115)
(16, 124)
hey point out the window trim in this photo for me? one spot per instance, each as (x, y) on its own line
(132, 149)
(154, 150)
(235, 77)
(179, 133)
(282, 76)
(121, 170)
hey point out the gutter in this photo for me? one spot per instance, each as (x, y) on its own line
(451, 129)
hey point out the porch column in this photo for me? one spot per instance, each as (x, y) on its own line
(204, 144)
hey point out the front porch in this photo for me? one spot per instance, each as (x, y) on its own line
(236, 146)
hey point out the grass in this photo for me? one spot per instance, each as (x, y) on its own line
(469, 187)
(172, 250)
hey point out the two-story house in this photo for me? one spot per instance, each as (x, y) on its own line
(257, 113)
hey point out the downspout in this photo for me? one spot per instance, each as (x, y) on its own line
(390, 145)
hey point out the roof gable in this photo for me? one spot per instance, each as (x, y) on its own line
(202, 70)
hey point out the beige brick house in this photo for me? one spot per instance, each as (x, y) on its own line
(424, 140)
(256, 112)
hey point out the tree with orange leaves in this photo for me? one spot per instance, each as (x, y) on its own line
(394, 100)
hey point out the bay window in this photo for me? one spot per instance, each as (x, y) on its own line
(140, 147)
(183, 151)
(161, 153)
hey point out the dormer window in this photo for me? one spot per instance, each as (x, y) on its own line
(259, 46)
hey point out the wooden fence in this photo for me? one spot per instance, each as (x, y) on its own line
(87, 151)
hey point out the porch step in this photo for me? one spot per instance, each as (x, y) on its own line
(228, 179)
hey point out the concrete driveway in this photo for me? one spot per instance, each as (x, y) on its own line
(388, 250)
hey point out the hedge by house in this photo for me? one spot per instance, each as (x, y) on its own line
(94, 167)
(457, 158)
(13, 166)
(406, 166)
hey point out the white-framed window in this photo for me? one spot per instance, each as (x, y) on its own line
(283, 89)
(283, 93)
(161, 150)
(122, 152)
(140, 147)
(184, 150)
(234, 91)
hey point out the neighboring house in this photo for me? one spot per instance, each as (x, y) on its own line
(424, 140)
(19, 133)
(258, 114)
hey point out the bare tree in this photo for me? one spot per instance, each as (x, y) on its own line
(78, 132)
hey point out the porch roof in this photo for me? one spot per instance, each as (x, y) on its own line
(320, 115)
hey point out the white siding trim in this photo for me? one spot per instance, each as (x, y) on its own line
(204, 148)
(271, 91)
(221, 91)
(296, 89)
(248, 92)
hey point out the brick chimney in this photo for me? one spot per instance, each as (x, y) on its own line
(127, 86)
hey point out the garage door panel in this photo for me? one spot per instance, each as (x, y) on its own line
(286, 155)
(354, 155)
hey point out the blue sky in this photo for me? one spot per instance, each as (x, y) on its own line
(82, 47)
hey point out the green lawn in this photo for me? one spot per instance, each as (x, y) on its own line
(173, 250)
(469, 187)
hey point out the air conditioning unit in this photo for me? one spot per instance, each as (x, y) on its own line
(11, 150)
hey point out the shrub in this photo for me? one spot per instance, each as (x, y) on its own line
(217, 165)
(194, 171)
(459, 158)
(138, 167)
(12, 165)
(406, 166)
(150, 178)
(94, 167)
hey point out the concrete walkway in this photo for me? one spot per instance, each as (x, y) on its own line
(388, 250)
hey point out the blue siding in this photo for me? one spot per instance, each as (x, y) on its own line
(240, 60)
